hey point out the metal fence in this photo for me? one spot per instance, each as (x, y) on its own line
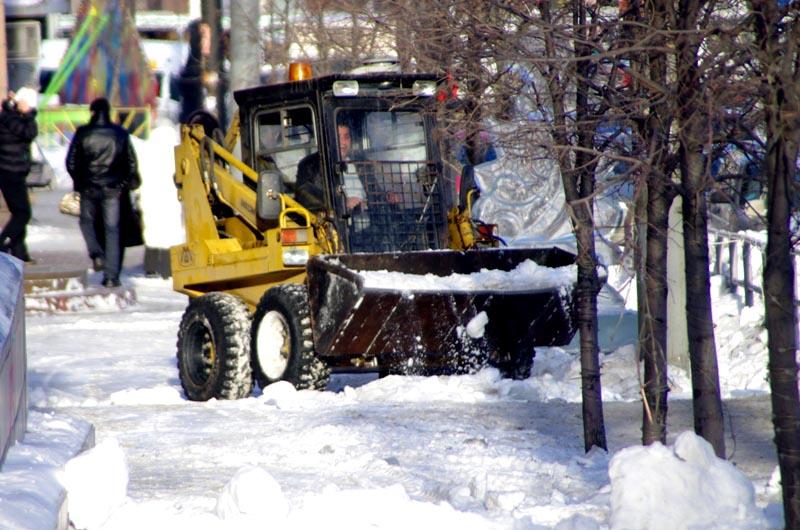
(740, 257)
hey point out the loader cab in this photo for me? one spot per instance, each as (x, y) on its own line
(359, 151)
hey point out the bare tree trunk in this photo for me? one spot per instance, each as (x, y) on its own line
(578, 182)
(708, 417)
(782, 105)
(779, 289)
(594, 431)
(654, 129)
(654, 341)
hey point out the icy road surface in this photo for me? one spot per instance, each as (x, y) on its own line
(494, 449)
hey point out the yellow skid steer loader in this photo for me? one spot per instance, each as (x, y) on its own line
(305, 253)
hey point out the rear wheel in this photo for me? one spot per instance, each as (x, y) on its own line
(281, 340)
(213, 348)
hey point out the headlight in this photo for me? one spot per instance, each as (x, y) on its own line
(295, 256)
(423, 88)
(345, 88)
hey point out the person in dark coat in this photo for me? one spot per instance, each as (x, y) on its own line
(191, 83)
(103, 167)
(17, 131)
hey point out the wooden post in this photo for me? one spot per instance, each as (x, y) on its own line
(732, 266)
(748, 280)
(212, 15)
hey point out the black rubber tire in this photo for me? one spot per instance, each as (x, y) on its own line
(285, 308)
(513, 365)
(214, 348)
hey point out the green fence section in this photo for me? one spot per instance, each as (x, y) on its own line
(58, 124)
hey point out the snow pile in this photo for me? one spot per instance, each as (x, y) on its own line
(556, 375)
(680, 487)
(161, 210)
(252, 495)
(96, 483)
(30, 491)
(527, 276)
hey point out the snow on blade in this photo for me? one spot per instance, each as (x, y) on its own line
(528, 275)
(477, 325)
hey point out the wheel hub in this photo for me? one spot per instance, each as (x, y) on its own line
(273, 345)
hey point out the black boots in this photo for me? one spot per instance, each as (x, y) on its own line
(18, 251)
(111, 283)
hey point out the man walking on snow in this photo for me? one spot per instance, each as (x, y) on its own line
(103, 166)
(17, 131)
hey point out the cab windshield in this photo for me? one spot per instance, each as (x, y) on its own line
(389, 182)
(384, 135)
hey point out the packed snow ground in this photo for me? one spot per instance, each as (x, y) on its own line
(472, 451)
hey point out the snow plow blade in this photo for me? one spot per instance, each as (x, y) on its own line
(353, 316)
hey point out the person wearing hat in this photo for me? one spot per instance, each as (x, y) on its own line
(17, 131)
(103, 166)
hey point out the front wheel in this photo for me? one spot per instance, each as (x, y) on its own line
(213, 348)
(281, 340)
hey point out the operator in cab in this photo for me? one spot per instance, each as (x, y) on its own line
(310, 188)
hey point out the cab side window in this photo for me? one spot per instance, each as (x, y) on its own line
(284, 137)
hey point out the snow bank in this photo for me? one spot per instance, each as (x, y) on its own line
(253, 495)
(680, 487)
(31, 494)
(96, 483)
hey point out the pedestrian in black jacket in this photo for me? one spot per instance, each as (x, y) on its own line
(17, 131)
(192, 80)
(103, 167)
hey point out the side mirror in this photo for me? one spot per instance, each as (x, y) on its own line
(268, 202)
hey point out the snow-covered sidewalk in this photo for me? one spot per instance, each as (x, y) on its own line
(467, 451)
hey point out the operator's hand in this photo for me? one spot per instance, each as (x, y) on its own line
(354, 202)
(394, 198)
(23, 107)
